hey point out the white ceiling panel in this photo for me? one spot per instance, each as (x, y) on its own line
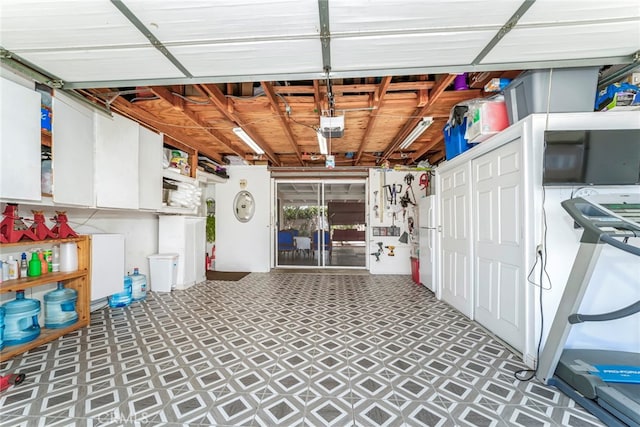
(105, 65)
(566, 42)
(208, 21)
(366, 16)
(45, 25)
(257, 58)
(407, 51)
(559, 11)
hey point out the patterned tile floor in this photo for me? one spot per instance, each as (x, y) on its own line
(280, 348)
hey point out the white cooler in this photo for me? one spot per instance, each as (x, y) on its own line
(163, 272)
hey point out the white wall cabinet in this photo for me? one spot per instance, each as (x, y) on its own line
(454, 192)
(150, 169)
(73, 152)
(116, 166)
(491, 202)
(186, 236)
(20, 167)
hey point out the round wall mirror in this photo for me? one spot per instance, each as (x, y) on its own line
(243, 206)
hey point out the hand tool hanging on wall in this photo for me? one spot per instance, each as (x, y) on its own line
(379, 252)
(375, 207)
(393, 191)
(391, 249)
(424, 183)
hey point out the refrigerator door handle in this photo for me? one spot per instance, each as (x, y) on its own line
(429, 228)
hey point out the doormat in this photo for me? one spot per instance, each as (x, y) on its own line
(230, 276)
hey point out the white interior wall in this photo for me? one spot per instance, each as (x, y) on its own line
(244, 246)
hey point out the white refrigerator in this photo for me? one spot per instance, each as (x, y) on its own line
(427, 238)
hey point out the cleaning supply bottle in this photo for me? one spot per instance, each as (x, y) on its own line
(35, 266)
(24, 265)
(55, 259)
(44, 267)
(12, 265)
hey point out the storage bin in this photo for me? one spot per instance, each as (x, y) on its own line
(454, 140)
(163, 272)
(486, 118)
(572, 90)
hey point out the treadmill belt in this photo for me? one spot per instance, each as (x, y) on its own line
(621, 399)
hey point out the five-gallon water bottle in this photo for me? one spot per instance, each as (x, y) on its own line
(122, 299)
(1, 328)
(60, 307)
(138, 285)
(21, 320)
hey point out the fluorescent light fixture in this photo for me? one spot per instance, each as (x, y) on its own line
(322, 142)
(422, 125)
(247, 140)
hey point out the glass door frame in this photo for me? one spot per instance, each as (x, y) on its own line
(321, 220)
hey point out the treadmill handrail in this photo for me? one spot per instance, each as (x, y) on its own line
(602, 317)
(592, 232)
(634, 250)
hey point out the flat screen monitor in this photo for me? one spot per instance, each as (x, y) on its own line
(592, 157)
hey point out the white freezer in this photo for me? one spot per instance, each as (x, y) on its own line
(427, 239)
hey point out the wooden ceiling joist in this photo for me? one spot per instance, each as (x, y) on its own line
(377, 101)
(271, 95)
(222, 103)
(179, 105)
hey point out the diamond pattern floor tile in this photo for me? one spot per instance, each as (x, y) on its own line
(282, 348)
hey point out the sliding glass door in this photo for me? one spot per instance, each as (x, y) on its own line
(320, 223)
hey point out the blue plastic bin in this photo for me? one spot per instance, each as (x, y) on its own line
(454, 140)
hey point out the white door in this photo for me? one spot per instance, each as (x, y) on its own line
(427, 233)
(454, 189)
(497, 215)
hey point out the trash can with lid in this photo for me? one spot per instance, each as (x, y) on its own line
(163, 272)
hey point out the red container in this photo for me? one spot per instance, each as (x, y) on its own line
(415, 270)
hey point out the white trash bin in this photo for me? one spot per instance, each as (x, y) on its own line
(163, 272)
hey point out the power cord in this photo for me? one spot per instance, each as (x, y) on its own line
(532, 372)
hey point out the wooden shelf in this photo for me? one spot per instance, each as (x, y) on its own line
(169, 174)
(79, 280)
(30, 282)
(42, 242)
(46, 335)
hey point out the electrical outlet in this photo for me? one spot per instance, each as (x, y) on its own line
(539, 249)
(635, 79)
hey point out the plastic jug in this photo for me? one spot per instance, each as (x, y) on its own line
(122, 299)
(68, 256)
(138, 286)
(60, 307)
(1, 328)
(21, 320)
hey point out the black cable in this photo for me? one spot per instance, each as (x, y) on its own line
(533, 372)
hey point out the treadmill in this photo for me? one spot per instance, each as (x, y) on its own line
(606, 383)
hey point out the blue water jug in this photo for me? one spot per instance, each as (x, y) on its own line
(21, 320)
(138, 285)
(1, 328)
(122, 299)
(60, 307)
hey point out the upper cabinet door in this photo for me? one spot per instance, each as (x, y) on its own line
(20, 168)
(116, 172)
(73, 147)
(150, 152)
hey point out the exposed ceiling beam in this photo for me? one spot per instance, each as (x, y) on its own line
(355, 88)
(420, 112)
(225, 106)
(167, 96)
(373, 115)
(428, 146)
(268, 90)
